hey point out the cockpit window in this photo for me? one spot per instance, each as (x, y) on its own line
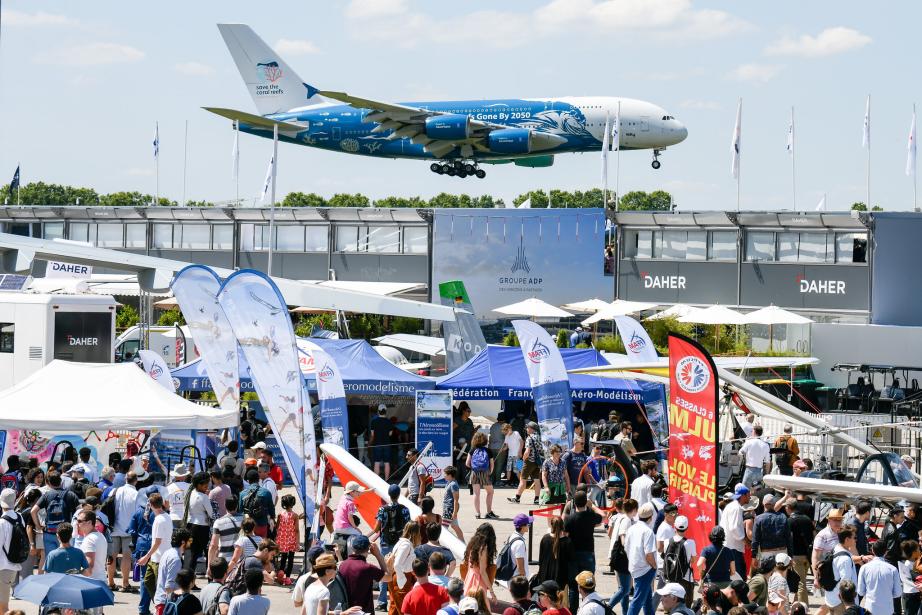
(668, 117)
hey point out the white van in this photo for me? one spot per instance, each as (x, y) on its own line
(162, 340)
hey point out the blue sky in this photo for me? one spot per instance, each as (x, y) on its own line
(80, 90)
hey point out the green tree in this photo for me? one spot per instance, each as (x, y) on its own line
(348, 200)
(126, 316)
(199, 204)
(40, 193)
(366, 326)
(306, 322)
(860, 206)
(171, 317)
(511, 339)
(405, 324)
(486, 201)
(300, 199)
(637, 200)
(563, 340)
(398, 201)
(132, 199)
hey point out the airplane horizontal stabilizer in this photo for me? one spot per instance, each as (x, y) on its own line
(256, 121)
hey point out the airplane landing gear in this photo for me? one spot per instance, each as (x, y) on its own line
(458, 168)
(656, 163)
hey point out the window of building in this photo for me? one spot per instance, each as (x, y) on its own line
(672, 245)
(787, 247)
(136, 236)
(222, 237)
(254, 237)
(110, 235)
(381, 239)
(812, 248)
(760, 246)
(696, 246)
(195, 237)
(415, 240)
(53, 230)
(78, 231)
(638, 244)
(347, 239)
(289, 238)
(316, 239)
(722, 245)
(163, 236)
(851, 247)
(7, 330)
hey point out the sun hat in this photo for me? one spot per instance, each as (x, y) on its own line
(180, 469)
(259, 446)
(646, 511)
(586, 580)
(7, 498)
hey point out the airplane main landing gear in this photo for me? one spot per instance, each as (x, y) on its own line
(458, 168)
(656, 163)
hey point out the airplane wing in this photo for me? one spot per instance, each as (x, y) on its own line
(410, 122)
(255, 120)
(845, 491)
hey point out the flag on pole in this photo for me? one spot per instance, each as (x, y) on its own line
(268, 183)
(605, 145)
(156, 140)
(14, 183)
(821, 206)
(735, 145)
(526, 204)
(790, 143)
(616, 130)
(866, 133)
(236, 152)
(911, 155)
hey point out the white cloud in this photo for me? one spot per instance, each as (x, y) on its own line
(755, 73)
(91, 54)
(373, 9)
(700, 105)
(193, 69)
(20, 19)
(830, 41)
(291, 47)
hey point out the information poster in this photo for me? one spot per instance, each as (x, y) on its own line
(434, 424)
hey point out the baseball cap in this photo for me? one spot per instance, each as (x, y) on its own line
(260, 446)
(741, 490)
(314, 552)
(360, 543)
(681, 522)
(782, 559)
(646, 511)
(7, 498)
(393, 491)
(382, 408)
(672, 589)
(468, 605)
(586, 580)
(800, 464)
(521, 520)
(549, 587)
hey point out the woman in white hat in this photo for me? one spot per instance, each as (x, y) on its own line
(346, 519)
(778, 582)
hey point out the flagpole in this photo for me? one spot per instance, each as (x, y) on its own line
(869, 151)
(275, 164)
(739, 162)
(19, 183)
(237, 164)
(618, 161)
(157, 161)
(185, 158)
(915, 204)
(793, 172)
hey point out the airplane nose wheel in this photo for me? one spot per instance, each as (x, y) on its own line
(656, 163)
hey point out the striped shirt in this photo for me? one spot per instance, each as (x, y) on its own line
(228, 529)
(249, 544)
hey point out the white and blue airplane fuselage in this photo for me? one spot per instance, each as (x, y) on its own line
(453, 135)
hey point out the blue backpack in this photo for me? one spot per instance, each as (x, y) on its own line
(480, 460)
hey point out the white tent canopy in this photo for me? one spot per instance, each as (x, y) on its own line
(678, 310)
(773, 315)
(619, 307)
(533, 308)
(65, 396)
(588, 306)
(715, 315)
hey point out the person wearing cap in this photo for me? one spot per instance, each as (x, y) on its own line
(826, 541)
(307, 577)
(468, 606)
(799, 467)
(392, 516)
(344, 518)
(317, 595)
(640, 545)
(880, 585)
(664, 534)
(176, 492)
(8, 570)
(531, 468)
(770, 531)
(778, 581)
(757, 455)
(521, 523)
(590, 602)
(673, 598)
(230, 458)
(733, 524)
(790, 451)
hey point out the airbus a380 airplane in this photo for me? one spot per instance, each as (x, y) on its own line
(457, 135)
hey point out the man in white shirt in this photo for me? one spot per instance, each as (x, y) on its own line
(747, 425)
(879, 582)
(126, 498)
(824, 542)
(93, 545)
(731, 520)
(640, 488)
(517, 545)
(176, 492)
(640, 546)
(267, 483)
(843, 568)
(757, 457)
(664, 535)
(8, 570)
(590, 603)
(513, 442)
(90, 469)
(160, 535)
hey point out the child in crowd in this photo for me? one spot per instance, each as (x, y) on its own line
(451, 502)
(288, 534)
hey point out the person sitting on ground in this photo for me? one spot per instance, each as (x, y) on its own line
(262, 560)
(66, 559)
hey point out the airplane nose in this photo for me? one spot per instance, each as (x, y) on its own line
(681, 132)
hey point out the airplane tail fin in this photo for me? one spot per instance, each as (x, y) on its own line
(273, 85)
(463, 338)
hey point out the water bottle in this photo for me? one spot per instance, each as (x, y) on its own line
(339, 609)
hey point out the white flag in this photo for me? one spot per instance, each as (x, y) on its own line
(605, 145)
(866, 133)
(636, 340)
(268, 183)
(236, 152)
(157, 369)
(156, 140)
(790, 143)
(821, 206)
(735, 144)
(911, 155)
(616, 129)
(526, 204)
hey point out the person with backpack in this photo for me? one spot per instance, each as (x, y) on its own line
(59, 506)
(182, 601)
(590, 603)
(256, 503)
(481, 464)
(678, 556)
(836, 567)
(825, 542)
(170, 565)
(787, 451)
(532, 460)
(618, 525)
(212, 594)
(389, 523)
(14, 546)
(513, 557)
(140, 529)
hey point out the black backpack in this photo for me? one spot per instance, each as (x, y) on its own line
(505, 562)
(235, 581)
(253, 505)
(675, 561)
(54, 510)
(19, 548)
(108, 509)
(394, 522)
(783, 459)
(604, 605)
(827, 572)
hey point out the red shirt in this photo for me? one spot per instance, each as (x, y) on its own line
(275, 473)
(425, 599)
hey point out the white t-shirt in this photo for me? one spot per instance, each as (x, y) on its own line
(747, 428)
(313, 596)
(663, 535)
(95, 542)
(639, 541)
(269, 485)
(757, 452)
(162, 529)
(691, 551)
(176, 495)
(519, 550)
(825, 541)
(126, 498)
(640, 489)
(514, 444)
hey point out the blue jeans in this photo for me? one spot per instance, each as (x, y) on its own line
(144, 604)
(752, 476)
(582, 560)
(623, 593)
(382, 586)
(643, 594)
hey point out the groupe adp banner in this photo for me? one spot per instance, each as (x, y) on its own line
(156, 368)
(196, 290)
(434, 424)
(637, 343)
(259, 317)
(549, 383)
(334, 416)
(693, 399)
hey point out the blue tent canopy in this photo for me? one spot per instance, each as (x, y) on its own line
(364, 371)
(499, 373)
